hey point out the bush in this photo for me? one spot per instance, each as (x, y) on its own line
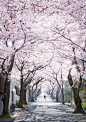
(67, 91)
(84, 106)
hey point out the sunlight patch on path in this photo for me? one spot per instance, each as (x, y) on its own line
(41, 101)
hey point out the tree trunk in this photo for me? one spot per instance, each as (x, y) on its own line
(6, 97)
(7, 86)
(36, 93)
(78, 102)
(52, 94)
(24, 97)
(57, 96)
(77, 98)
(62, 92)
(29, 95)
(20, 105)
(32, 98)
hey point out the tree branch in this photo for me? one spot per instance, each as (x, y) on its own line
(17, 67)
(70, 78)
(10, 66)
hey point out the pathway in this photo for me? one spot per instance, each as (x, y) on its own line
(46, 111)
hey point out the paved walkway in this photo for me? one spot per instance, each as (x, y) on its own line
(46, 111)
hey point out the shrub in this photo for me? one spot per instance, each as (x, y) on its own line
(84, 105)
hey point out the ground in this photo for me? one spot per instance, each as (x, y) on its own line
(45, 111)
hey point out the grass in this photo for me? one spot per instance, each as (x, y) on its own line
(5, 116)
(84, 105)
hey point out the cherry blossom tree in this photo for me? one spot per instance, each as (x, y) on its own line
(36, 87)
(59, 82)
(73, 81)
(13, 38)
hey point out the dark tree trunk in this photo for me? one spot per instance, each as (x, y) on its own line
(29, 95)
(36, 93)
(20, 105)
(52, 94)
(7, 86)
(6, 97)
(32, 98)
(24, 97)
(77, 98)
(78, 102)
(57, 97)
(62, 92)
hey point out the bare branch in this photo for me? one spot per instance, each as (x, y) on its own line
(27, 77)
(28, 81)
(17, 67)
(71, 41)
(41, 11)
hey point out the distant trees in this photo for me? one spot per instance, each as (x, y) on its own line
(57, 76)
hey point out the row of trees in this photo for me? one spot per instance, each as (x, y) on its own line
(43, 32)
